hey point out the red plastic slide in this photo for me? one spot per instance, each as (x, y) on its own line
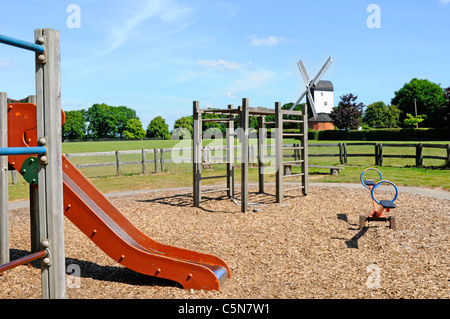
(113, 233)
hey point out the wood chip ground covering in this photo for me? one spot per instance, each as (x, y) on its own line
(307, 247)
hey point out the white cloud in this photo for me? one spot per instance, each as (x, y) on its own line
(6, 63)
(166, 11)
(269, 41)
(221, 65)
(250, 79)
(445, 1)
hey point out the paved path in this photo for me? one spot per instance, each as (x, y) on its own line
(428, 192)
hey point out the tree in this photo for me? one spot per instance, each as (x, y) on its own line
(413, 120)
(158, 129)
(392, 116)
(185, 122)
(380, 115)
(347, 115)
(134, 130)
(107, 121)
(101, 124)
(429, 99)
(121, 116)
(74, 127)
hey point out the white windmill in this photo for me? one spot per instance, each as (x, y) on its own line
(310, 84)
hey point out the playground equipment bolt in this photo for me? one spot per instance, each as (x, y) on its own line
(42, 141)
(44, 159)
(46, 261)
(45, 243)
(40, 40)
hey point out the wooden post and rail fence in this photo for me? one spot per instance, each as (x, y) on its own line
(156, 159)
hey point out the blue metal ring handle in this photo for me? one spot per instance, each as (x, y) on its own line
(369, 169)
(387, 182)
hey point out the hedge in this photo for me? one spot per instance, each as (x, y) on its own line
(405, 134)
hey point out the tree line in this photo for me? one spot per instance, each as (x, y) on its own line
(417, 102)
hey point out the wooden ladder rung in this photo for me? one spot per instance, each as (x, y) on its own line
(293, 148)
(293, 189)
(292, 121)
(293, 175)
(215, 190)
(292, 134)
(293, 162)
(213, 177)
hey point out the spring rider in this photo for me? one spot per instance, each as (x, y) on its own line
(379, 207)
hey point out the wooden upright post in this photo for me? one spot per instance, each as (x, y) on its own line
(49, 132)
(279, 152)
(230, 156)
(244, 119)
(261, 139)
(197, 153)
(4, 213)
(304, 150)
(34, 207)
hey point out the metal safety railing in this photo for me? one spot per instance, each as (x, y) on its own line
(24, 260)
(7, 151)
(21, 44)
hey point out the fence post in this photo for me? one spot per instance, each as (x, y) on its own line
(344, 146)
(162, 159)
(117, 163)
(419, 155)
(448, 155)
(377, 156)
(144, 168)
(380, 154)
(341, 155)
(155, 157)
(14, 177)
(4, 214)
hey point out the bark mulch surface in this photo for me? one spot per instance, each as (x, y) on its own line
(307, 247)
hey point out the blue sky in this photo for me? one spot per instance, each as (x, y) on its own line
(157, 56)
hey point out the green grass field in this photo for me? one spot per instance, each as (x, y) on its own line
(400, 171)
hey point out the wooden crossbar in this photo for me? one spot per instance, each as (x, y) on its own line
(215, 190)
(213, 177)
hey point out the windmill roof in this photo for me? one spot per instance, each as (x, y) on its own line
(324, 86)
(321, 117)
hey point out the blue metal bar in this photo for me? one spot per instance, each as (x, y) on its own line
(21, 44)
(7, 151)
